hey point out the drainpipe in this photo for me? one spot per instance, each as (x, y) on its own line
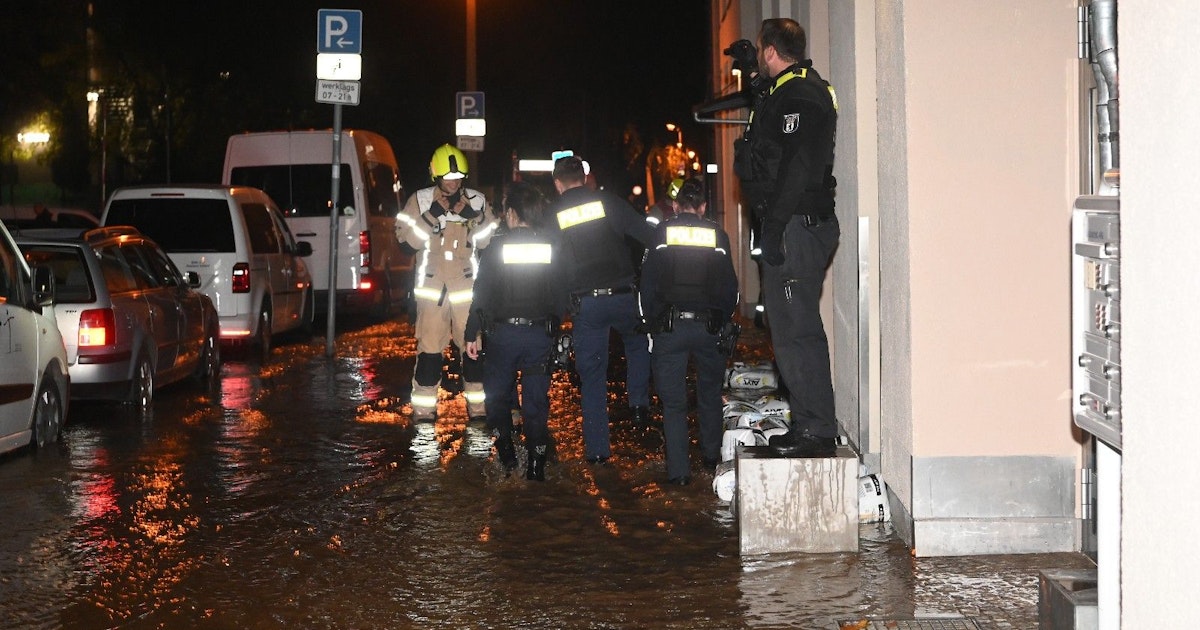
(1104, 65)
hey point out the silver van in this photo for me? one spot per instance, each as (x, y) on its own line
(235, 239)
(374, 275)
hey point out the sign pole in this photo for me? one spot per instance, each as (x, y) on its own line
(333, 227)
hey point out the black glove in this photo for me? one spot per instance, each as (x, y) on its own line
(468, 212)
(745, 56)
(436, 209)
(772, 245)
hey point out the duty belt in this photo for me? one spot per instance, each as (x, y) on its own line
(521, 321)
(812, 219)
(700, 317)
(606, 291)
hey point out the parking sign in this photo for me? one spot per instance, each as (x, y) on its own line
(468, 105)
(339, 31)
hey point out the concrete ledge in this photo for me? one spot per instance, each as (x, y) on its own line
(1067, 600)
(796, 504)
(974, 537)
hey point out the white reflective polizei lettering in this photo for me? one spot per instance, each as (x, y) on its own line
(690, 236)
(580, 214)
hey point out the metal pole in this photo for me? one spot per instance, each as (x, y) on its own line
(471, 45)
(333, 226)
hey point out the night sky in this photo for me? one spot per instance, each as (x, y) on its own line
(556, 73)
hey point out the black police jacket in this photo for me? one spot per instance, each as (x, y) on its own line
(785, 159)
(688, 267)
(593, 225)
(521, 275)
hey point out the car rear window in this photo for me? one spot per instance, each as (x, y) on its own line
(72, 282)
(300, 190)
(178, 224)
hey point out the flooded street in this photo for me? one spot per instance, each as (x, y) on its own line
(299, 495)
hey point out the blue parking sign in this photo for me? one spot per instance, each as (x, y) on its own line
(339, 31)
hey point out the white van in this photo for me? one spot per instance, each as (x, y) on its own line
(35, 388)
(235, 239)
(374, 274)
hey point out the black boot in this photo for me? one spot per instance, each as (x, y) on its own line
(535, 469)
(795, 444)
(505, 452)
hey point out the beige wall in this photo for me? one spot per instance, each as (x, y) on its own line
(1160, 231)
(991, 124)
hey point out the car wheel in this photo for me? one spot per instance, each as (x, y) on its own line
(47, 415)
(262, 342)
(141, 390)
(208, 370)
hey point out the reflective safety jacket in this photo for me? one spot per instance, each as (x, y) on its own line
(446, 241)
(520, 277)
(688, 267)
(592, 226)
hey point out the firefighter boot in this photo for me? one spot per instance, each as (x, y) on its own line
(535, 468)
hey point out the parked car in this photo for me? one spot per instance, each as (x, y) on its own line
(235, 238)
(25, 217)
(131, 322)
(35, 388)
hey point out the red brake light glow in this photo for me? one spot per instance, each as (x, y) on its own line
(97, 327)
(241, 278)
(364, 249)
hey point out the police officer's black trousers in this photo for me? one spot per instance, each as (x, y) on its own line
(669, 357)
(510, 348)
(792, 295)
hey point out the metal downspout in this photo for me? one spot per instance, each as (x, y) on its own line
(1104, 65)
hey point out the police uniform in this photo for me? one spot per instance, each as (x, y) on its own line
(519, 298)
(447, 240)
(785, 162)
(593, 226)
(688, 292)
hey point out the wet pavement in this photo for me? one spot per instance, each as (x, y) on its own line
(299, 495)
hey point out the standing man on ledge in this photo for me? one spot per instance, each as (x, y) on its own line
(593, 225)
(785, 163)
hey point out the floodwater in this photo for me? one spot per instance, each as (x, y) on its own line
(299, 495)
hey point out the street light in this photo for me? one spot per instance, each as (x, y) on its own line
(678, 134)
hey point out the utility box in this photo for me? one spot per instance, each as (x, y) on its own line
(797, 504)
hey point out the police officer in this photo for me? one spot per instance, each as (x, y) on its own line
(447, 224)
(593, 225)
(688, 293)
(520, 297)
(785, 163)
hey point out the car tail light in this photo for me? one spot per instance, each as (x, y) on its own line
(364, 249)
(365, 284)
(97, 327)
(241, 278)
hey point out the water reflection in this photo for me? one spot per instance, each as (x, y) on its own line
(300, 496)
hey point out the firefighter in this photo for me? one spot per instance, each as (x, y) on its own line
(447, 224)
(664, 208)
(593, 225)
(520, 298)
(688, 293)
